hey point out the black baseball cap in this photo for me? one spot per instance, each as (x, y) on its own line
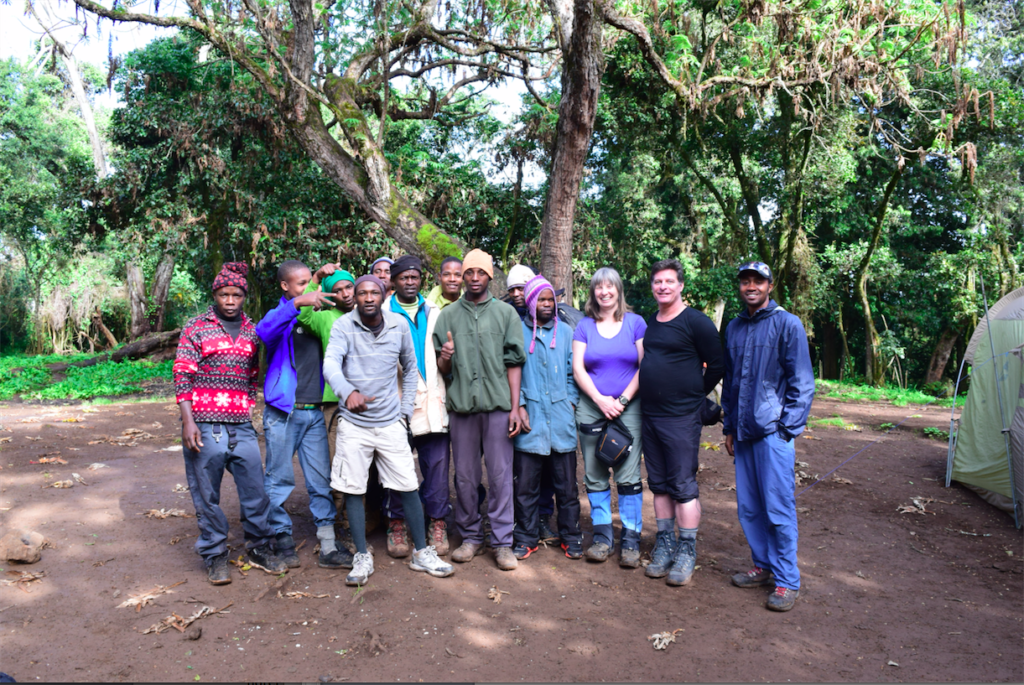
(757, 267)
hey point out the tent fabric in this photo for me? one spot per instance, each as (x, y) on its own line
(1013, 303)
(980, 458)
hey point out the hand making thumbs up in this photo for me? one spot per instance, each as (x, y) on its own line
(448, 349)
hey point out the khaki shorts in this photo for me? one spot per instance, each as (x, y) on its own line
(355, 452)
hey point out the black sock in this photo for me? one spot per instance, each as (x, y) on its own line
(414, 518)
(356, 521)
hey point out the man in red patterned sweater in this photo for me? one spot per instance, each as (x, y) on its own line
(215, 374)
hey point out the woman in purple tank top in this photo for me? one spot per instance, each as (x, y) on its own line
(606, 350)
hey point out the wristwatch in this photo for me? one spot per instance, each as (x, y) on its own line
(623, 400)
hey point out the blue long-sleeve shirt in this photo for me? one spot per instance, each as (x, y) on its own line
(548, 391)
(275, 331)
(769, 381)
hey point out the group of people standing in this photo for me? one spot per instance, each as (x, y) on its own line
(366, 375)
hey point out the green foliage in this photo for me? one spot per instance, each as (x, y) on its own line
(105, 378)
(936, 433)
(900, 397)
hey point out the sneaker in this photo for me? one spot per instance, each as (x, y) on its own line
(629, 557)
(465, 552)
(755, 577)
(662, 555)
(573, 549)
(362, 569)
(263, 557)
(544, 531)
(437, 535)
(506, 559)
(284, 548)
(782, 599)
(426, 560)
(598, 552)
(398, 539)
(217, 570)
(681, 571)
(339, 558)
(522, 551)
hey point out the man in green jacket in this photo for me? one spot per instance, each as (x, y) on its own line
(479, 343)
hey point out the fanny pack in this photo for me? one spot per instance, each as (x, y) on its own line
(614, 441)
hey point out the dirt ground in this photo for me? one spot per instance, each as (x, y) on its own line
(886, 596)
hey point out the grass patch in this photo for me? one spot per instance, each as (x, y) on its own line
(848, 392)
(28, 376)
(937, 433)
(836, 421)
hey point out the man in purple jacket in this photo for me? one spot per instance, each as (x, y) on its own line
(292, 418)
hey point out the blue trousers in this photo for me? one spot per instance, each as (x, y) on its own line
(766, 502)
(204, 471)
(303, 431)
(433, 450)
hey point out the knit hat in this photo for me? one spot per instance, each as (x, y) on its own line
(372, 279)
(478, 259)
(381, 259)
(405, 263)
(532, 290)
(518, 275)
(233, 274)
(330, 281)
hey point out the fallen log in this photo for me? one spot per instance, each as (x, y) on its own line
(136, 350)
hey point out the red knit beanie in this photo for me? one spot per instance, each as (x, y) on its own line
(232, 273)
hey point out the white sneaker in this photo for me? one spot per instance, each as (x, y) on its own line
(362, 569)
(426, 559)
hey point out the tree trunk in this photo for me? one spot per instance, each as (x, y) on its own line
(940, 357)
(158, 293)
(582, 67)
(874, 374)
(846, 345)
(144, 347)
(97, 321)
(139, 325)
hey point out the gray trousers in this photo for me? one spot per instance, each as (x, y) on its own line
(626, 473)
(471, 434)
(204, 470)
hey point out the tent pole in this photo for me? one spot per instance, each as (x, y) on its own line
(999, 394)
(953, 430)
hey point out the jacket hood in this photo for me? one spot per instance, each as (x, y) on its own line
(768, 310)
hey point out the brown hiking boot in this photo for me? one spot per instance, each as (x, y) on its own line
(506, 558)
(398, 539)
(755, 577)
(437, 536)
(465, 552)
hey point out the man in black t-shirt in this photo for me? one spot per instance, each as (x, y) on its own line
(683, 361)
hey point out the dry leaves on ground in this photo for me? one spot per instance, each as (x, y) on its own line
(125, 413)
(713, 446)
(725, 487)
(242, 564)
(129, 437)
(663, 640)
(180, 488)
(144, 598)
(841, 481)
(179, 623)
(97, 466)
(917, 507)
(61, 484)
(72, 419)
(21, 579)
(49, 460)
(178, 538)
(78, 478)
(296, 594)
(802, 478)
(495, 594)
(3, 440)
(167, 513)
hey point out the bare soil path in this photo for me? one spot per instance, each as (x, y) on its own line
(937, 593)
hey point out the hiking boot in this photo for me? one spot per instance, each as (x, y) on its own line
(598, 551)
(506, 559)
(544, 530)
(782, 599)
(217, 569)
(465, 552)
(573, 549)
(339, 558)
(398, 539)
(362, 569)
(681, 571)
(284, 548)
(522, 551)
(437, 535)
(426, 560)
(629, 557)
(662, 555)
(373, 517)
(755, 577)
(263, 557)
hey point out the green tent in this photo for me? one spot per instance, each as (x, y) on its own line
(986, 445)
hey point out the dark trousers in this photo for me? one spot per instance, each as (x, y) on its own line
(546, 504)
(204, 471)
(527, 469)
(433, 450)
(485, 433)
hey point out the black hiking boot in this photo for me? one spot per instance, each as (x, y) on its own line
(217, 569)
(284, 548)
(263, 557)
